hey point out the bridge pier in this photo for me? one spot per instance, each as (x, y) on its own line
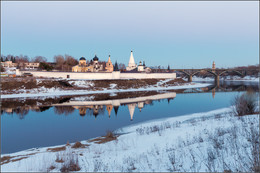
(217, 80)
(190, 78)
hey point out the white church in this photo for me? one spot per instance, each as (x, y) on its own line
(132, 66)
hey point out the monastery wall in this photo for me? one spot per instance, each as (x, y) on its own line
(99, 75)
(147, 75)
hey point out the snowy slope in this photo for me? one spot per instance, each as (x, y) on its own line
(201, 142)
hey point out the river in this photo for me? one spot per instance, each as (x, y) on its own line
(39, 122)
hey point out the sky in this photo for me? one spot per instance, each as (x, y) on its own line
(189, 34)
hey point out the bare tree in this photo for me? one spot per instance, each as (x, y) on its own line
(59, 60)
(39, 59)
(22, 59)
(121, 66)
(70, 61)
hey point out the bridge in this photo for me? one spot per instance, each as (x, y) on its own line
(213, 71)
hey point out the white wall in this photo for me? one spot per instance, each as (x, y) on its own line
(147, 75)
(100, 75)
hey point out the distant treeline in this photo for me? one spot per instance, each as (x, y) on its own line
(60, 62)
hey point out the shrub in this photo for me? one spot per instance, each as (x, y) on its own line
(59, 159)
(45, 66)
(71, 163)
(245, 104)
(51, 168)
(110, 134)
(57, 149)
(78, 145)
(72, 166)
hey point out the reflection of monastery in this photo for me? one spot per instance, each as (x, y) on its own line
(132, 103)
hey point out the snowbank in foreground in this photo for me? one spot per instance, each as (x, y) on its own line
(201, 142)
(44, 92)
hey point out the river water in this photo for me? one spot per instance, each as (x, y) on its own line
(40, 122)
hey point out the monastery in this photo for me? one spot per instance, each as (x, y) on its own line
(95, 66)
(96, 70)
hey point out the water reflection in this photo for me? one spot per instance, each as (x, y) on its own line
(94, 105)
(96, 108)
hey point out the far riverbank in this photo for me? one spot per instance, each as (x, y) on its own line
(36, 87)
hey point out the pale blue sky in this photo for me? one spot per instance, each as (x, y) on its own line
(182, 34)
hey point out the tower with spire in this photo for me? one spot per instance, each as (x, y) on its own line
(131, 108)
(109, 65)
(109, 108)
(131, 63)
(213, 66)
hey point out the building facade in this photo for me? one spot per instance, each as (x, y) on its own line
(8, 64)
(31, 65)
(93, 66)
(82, 66)
(24, 65)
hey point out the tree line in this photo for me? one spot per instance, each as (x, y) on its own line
(60, 62)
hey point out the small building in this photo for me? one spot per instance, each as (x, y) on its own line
(8, 64)
(31, 65)
(140, 66)
(23, 65)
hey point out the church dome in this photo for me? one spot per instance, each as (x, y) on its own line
(95, 58)
(82, 58)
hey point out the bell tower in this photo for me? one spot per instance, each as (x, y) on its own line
(109, 65)
(213, 66)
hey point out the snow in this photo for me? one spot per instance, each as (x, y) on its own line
(10, 70)
(161, 82)
(201, 142)
(81, 83)
(83, 98)
(113, 85)
(50, 92)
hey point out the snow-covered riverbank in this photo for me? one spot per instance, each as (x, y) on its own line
(200, 142)
(50, 92)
